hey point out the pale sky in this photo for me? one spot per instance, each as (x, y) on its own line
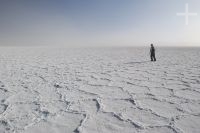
(98, 23)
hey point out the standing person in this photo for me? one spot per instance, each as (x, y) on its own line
(152, 53)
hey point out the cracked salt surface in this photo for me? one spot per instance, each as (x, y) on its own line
(105, 90)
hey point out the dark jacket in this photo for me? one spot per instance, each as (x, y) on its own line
(152, 50)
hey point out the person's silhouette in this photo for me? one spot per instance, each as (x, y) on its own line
(152, 53)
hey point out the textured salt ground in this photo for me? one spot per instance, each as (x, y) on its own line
(109, 90)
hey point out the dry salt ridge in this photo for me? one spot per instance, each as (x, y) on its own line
(105, 90)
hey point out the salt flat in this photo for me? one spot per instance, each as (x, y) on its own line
(99, 90)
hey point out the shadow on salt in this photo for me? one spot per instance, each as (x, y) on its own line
(137, 62)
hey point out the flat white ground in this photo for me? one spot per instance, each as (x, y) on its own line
(105, 90)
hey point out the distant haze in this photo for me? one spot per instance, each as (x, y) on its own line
(98, 23)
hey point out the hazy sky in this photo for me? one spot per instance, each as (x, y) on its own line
(98, 22)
